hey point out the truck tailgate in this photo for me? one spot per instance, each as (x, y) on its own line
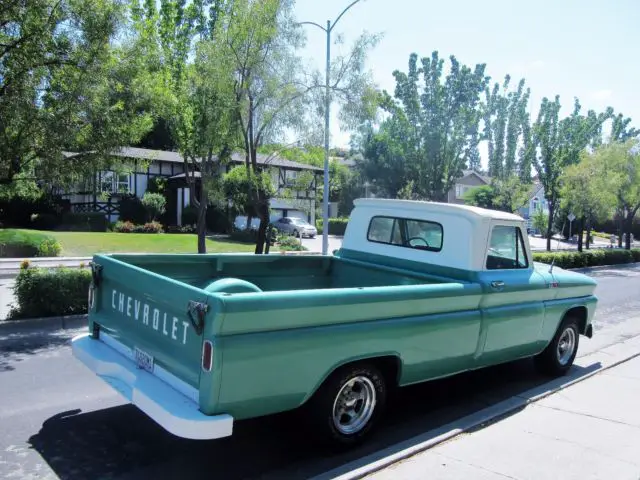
(154, 316)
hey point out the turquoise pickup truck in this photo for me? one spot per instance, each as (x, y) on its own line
(418, 291)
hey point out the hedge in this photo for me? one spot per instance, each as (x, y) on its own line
(589, 258)
(84, 222)
(17, 243)
(337, 226)
(41, 292)
(129, 227)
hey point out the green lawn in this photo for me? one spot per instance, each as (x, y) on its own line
(85, 244)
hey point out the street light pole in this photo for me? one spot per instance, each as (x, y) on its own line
(327, 105)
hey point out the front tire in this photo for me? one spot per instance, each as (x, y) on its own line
(346, 408)
(558, 357)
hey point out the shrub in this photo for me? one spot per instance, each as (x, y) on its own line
(50, 292)
(123, 227)
(182, 229)
(155, 204)
(337, 226)
(44, 221)
(18, 211)
(84, 222)
(149, 227)
(49, 247)
(132, 210)
(19, 243)
(129, 227)
(288, 243)
(588, 258)
(250, 236)
(189, 215)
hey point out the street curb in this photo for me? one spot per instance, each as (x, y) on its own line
(370, 464)
(605, 267)
(58, 322)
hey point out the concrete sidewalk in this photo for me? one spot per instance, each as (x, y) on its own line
(589, 430)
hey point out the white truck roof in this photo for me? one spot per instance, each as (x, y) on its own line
(436, 207)
(465, 230)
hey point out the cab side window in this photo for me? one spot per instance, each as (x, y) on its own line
(506, 249)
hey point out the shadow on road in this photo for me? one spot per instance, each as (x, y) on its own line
(123, 443)
(16, 345)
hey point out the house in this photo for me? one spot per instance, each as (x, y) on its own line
(145, 164)
(469, 179)
(536, 202)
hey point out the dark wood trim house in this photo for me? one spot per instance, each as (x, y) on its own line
(102, 192)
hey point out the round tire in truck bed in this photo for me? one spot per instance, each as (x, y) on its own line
(231, 285)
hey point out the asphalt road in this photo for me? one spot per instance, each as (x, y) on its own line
(58, 421)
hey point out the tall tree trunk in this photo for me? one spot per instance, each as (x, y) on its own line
(263, 214)
(627, 231)
(579, 232)
(588, 232)
(202, 220)
(552, 208)
(621, 228)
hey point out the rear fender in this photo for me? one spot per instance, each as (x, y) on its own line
(373, 358)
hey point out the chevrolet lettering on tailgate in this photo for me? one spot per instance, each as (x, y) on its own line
(151, 317)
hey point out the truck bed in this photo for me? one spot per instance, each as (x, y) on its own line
(272, 273)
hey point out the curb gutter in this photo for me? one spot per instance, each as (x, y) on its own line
(372, 463)
(59, 322)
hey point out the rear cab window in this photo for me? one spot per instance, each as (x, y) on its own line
(406, 232)
(506, 249)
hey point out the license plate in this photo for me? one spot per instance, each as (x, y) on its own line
(143, 360)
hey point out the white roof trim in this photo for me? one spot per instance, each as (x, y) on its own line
(467, 211)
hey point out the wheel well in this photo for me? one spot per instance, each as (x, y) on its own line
(580, 314)
(389, 366)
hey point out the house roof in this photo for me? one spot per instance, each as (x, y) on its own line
(175, 157)
(484, 178)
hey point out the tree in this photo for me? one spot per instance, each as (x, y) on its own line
(272, 92)
(192, 81)
(63, 85)
(505, 115)
(439, 122)
(385, 162)
(622, 163)
(508, 195)
(587, 188)
(559, 144)
(620, 130)
(539, 220)
(155, 204)
(483, 196)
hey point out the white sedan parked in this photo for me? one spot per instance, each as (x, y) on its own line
(296, 227)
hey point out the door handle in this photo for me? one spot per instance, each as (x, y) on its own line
(497, 284)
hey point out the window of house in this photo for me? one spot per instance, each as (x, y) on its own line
(405, 232)
(461, 190)
(111, 182)
(506, 249)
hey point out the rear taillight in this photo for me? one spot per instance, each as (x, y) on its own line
(207, 356)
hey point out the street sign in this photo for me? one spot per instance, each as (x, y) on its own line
(571, 217)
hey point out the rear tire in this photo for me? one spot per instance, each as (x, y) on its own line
(347, 406)
(558, 357)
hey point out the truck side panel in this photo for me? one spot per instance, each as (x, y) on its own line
(271, 372)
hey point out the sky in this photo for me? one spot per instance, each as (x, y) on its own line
(572, 48)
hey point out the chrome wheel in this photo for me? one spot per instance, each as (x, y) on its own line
(354, 405)
(566, 345)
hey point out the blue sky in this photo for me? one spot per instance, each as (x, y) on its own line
(571, 48)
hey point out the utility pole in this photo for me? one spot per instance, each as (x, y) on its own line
(327, 105)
